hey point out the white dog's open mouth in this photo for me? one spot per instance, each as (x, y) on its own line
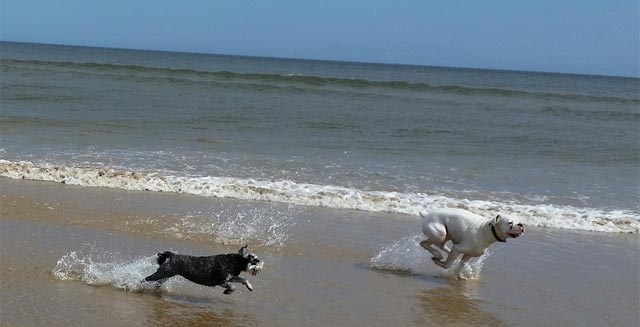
(516, 235)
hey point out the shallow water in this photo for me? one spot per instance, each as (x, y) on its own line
(68, 252)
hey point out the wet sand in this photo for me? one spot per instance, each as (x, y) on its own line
(318, 266)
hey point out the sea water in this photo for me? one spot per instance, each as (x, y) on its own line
(551, 150)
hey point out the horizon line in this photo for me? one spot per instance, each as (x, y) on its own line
(320, 60)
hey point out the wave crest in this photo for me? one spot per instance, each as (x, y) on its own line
(297, 81)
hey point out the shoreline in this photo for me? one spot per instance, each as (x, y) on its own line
(561, 216)
(318, 265)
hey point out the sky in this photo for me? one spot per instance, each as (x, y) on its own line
(600, 37)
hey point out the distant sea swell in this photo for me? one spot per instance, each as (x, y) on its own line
(283, 191)
(292, 81)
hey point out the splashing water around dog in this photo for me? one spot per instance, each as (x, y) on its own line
(117, 273)
(105, 268)
(215, 270)
(408, 257)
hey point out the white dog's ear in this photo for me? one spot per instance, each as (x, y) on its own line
(497, 218)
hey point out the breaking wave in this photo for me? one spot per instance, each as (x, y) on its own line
(284, 191)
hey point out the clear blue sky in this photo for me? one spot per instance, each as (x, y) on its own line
(574, 36)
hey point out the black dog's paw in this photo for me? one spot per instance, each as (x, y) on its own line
(228, 291)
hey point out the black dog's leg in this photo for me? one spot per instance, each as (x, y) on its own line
(158, 283)
(243, 281)
(228, 288)
(160, 275)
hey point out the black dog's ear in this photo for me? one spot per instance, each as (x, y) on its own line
(243, 251)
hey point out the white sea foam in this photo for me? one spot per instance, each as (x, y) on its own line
(555, 216)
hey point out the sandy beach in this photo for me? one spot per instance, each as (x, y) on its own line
(72, 256)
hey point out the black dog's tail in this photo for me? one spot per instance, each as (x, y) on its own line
(163, 256)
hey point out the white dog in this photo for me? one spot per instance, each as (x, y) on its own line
(471, 234)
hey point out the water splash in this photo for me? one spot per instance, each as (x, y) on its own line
(120, 274)
(408, 257)
(404, 256)
(262, 226)
(269, 226)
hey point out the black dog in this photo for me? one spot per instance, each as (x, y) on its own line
(214, 270)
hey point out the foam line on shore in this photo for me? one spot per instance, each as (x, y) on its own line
(284, 191)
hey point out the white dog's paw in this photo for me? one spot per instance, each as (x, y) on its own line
(249, 286)
(438, 262)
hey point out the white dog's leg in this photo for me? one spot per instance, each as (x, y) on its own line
(436, 233)
(450, 259)
(463, 261)
(437, 256)
(444, 247)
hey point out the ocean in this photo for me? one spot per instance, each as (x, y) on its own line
(553, 150)
(109, 156)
